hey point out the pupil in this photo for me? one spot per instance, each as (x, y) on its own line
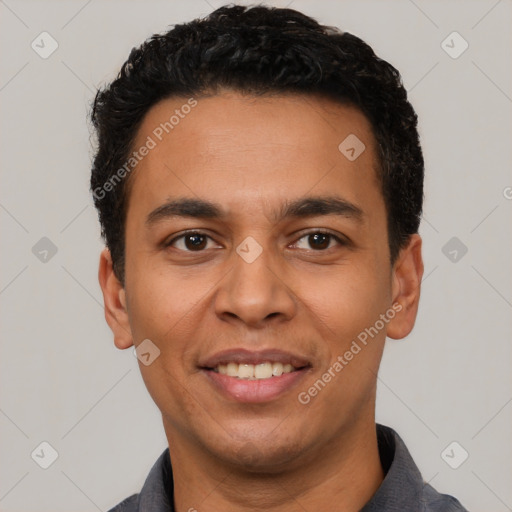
(195, 242)
(319, 241)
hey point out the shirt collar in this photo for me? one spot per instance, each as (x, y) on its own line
(157, 494)
(402, 486)
(401, 489)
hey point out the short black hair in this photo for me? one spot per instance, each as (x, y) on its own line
(257, 50)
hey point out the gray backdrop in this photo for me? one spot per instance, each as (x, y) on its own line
(62, 380)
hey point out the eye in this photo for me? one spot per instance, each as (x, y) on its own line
(192, 241)
(195, 241)
(318, 241)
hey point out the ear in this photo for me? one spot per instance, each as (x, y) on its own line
(114, 298)
(406, 284)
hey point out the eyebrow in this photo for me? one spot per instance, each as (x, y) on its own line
(300, 208)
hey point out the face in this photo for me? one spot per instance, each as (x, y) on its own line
(257, 263)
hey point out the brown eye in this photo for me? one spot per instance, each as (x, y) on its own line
(190, 242)
(195, 242)
(318, 241)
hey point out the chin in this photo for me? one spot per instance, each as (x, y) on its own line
(260, 455)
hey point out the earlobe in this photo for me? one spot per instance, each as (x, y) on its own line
(406, 285)
(114, 297)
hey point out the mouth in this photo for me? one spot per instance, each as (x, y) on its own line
(265, 370)
(254, 377)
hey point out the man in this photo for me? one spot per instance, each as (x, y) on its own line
(259, 182)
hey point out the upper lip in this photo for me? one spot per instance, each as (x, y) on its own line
(244, 356)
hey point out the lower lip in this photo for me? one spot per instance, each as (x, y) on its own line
(256, 390)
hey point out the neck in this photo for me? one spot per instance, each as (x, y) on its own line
(347, 472)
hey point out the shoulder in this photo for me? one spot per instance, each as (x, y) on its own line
(433, 501)
(403, 487)
(156, 494)
(128, 505)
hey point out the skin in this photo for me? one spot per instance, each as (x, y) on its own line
(252, 155)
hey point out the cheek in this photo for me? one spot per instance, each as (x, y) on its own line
(343, 301)
(160, 301)
(350, 308)
(165, 310)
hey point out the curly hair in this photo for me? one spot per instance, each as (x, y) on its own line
(257, 50)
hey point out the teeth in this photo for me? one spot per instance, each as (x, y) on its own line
(263, 371)
(251, 371)
(232, 369)
(277, 369)
(245, 371)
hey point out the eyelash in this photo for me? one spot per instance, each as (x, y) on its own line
(337, 238)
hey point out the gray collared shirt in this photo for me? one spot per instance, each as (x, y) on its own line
(403, 489)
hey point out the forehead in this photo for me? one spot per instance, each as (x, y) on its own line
(245, 149)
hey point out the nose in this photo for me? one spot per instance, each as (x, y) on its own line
(255, 293)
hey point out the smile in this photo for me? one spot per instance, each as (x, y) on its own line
(254, 377)
(264, 370)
